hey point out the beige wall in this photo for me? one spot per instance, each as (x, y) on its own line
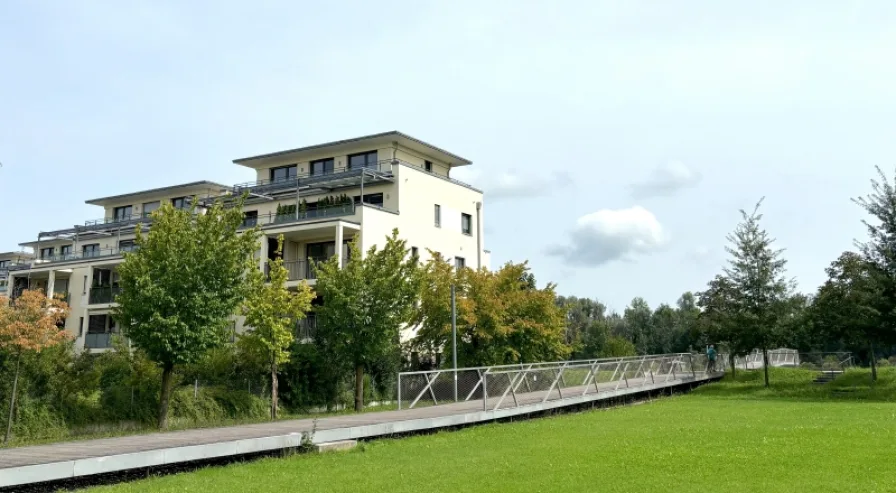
(138, 201)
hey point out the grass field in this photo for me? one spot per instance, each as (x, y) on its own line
(731, 436)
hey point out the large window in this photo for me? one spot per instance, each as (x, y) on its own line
(438, 215)
(179, 202)
(4, 263)
(122, 213)
(283, 173)
(126, 246)
(466, 224)
(322, 167)
(65, 251)
(370, 198)
(91, 250)
(459, 263)
(362, 160)
(46, 253)
(149, 207)
(250, 218)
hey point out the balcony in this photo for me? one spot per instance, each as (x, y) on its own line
(117, 221)
(337, 177)
(103, 295)
(299, 270)
(98, 341)
(88, 255)
(300, 216)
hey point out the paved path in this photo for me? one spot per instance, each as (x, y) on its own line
(82, 458)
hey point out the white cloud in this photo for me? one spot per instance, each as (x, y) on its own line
(611, 234)
(666, 180)
(507, 185)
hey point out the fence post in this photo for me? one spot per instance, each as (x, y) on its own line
(399, 391)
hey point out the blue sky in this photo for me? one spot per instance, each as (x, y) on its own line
(615, 141)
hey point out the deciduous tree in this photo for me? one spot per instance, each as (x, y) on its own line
(272, 310)
(183, 284)
(365, 305)
(29, 324)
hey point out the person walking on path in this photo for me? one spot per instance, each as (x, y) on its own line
(711, 359)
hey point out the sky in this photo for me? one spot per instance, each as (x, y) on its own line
(615, 141)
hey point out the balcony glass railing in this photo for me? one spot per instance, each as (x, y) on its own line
(299, 216)
(98, 341)
(86, 255)
(298, 270)
(101, 295)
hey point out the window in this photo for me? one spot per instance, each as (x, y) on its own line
(65, 251)
(92, 250)
(321, 251)
(459, 263)
(370, 198)
(85, 287)
(126, 246)
(283, 173)
(4, 264)
(438, 213)
(466, 224)
(362, 160)
(427, 165)
(179, 202)
(250, 218)
(46, 253)
(149, 207)
(415, 252)
(122, 213)
(81, 328)
(322, 167)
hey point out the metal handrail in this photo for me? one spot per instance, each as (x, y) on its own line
(500, 384)
(339, 210)
(102, 252)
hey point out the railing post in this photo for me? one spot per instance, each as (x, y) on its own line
(691, 360)
(399, 392)
(485, 391)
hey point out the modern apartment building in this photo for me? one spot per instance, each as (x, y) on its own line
(10, 260)
(318, 197)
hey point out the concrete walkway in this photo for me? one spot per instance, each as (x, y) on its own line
(26, 465)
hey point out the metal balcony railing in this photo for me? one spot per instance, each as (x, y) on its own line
(102, 295)
(298, 270)
(380, 169)
(299, 216)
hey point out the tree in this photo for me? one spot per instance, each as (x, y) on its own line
(618, 347)
(847, 306)
(663, 326)
(272, 310)
(756, 275)
(586, 327)
(879, 252)
(501, 317)
(183, 283)
(365, 304)
(29, 324)
(637, 318)
(687, 313)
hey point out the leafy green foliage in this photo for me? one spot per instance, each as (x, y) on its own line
(183, 284)
(501, 317)
(365, 304)
(271, 311)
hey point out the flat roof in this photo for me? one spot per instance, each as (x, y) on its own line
(191, 185)
(17, 254)
(395, 135)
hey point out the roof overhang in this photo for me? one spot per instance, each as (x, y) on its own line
(186, 189)
(375, 140)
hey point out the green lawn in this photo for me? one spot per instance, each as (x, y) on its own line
(731, 436)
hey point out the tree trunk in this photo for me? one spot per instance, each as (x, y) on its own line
(765, 364)
(873, 363)
(274, 388)
(359, 388)
(12, 399)
(165, 396)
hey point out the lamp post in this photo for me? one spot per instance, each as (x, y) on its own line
(454, 338)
